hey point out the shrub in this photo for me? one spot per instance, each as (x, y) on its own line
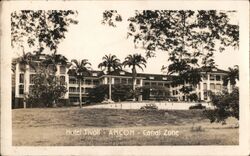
(226, 105)
(46, 91)
(119, 93)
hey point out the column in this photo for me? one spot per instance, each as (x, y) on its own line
(17, 75)
(27, 79)
(105, 80)
(202, 90)
(57, 70)
(208, 86)
(67, 83)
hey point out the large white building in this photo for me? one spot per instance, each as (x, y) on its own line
(212, 81)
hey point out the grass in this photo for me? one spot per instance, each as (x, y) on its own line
(49, 127)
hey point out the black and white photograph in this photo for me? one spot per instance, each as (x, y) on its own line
(110, 75)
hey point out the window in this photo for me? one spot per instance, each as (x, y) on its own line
(166, 85)
(153, 83)
(77, 89)
(62, 69)
(72, 89)
(117, 80)
(160, 84)
(72, 81)
(62, 80)
(74, 99)
(146, 83)
(130, 81)
(109, 79)
(87, 90)
(205, 86)
(88, 81)
(212, 86)
(218, 77)
(173, 92)
(21, 78)
(204, 77)
(124, 81)
(122, 73)
(21, 89)
(32, 78)
(96, 82)
(218, 87)
(151, 78)
(51, 68)
(212, 77)
(205, 95)
(174, 85)
(138, 81)
(94, 74)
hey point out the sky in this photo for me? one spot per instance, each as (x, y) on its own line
(91, 40)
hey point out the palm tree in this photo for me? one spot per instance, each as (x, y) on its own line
(25, 61)
(110, 63)
(80, 69)
(135, 60)
(232, 76)
(53, 60)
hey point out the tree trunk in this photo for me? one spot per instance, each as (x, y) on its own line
(54, 103)
(80, 93)
(24, 88)
(133, 87)
(133, 82)
(110, 81)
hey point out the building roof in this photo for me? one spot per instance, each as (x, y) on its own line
(145, 76)
(155, 77)
(93, 73)
(212, 70)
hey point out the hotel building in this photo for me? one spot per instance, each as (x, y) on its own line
(211, 81)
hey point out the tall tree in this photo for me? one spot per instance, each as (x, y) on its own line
(51, 61)
(189, 37)
(135, 60)
(40, 29)
(110, 63)
(46, 90)
(232, 76)
(80, 69)
(37, 30)
(25, 61)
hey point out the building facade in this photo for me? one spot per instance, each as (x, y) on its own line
(156, 86)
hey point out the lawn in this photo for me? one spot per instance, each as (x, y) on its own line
(79, 127)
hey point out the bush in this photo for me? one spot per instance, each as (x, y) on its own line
(46, 91)
(197, 106)
(119, 93)
(226, 105)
